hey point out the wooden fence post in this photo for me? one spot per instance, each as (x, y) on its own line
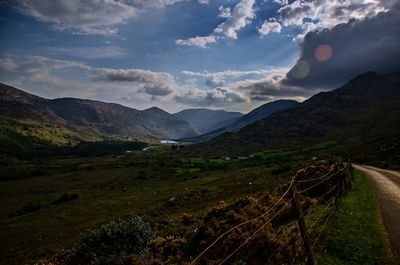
(300, 221)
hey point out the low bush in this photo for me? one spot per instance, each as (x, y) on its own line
(113, 243)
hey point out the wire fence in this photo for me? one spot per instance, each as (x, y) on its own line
(312, 221)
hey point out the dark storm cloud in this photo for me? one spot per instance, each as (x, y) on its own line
(358, 46)
(153, 83)
(271, 88)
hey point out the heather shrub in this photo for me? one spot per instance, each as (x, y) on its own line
(113, 243)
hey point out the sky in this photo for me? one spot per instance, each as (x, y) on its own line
(177, 54)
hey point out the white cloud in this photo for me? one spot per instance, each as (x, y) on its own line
(214, 97)
(241, 16)
(94, 17)
(270, 26)
(80, 17)
(234, 73)
(7, 64)
(310, 15)
(213, 79)
(52, 76)
(224, 12)
(204, 2)
(281, 2)
(198, 41)
(154, 3)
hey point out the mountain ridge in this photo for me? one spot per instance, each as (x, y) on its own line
(207, 120)
(361, 111)
(100, 118)
(256, 114)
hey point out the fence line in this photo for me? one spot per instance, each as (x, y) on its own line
(341, 181)
(243, 223)
(261, 227)
(314, 179)
(317, 184)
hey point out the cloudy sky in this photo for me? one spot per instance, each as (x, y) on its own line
(176, 54)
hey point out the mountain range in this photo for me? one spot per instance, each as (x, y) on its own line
(87, 119)
(206, 120)
(71, 120)
(235, 125)
(363, 115)
(365, 111)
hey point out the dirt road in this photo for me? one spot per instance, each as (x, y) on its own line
(386, 185)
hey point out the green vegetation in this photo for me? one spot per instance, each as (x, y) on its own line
(48, 202)
(352, 116)
(113, 243)
(16, 142)
(45, 212)
(355, 233)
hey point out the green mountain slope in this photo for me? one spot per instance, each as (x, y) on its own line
(260, 113)
(365, 110)
(81, 119)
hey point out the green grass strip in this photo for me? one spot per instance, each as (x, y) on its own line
(355, 234)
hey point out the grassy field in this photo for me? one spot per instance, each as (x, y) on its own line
(42, 214)
(355, 233)
(47, 209)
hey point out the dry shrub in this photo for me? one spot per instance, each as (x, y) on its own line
(271, 239)
(166, 250)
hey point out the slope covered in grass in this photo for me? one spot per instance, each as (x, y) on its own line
(356, 234)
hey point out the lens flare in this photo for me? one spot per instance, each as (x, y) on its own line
(323, 52)
(301, 70)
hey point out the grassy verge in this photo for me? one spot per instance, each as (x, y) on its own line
(355, 233)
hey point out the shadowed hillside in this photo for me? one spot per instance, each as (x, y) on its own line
(257, 114)
(207, 120)
(363, 110)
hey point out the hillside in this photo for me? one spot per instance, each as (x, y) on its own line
(207, 120)
(257, 114)
(260, 113)
(86, 119)
(365, 110)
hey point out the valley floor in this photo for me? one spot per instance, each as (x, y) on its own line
(47, 210)
(40, 215)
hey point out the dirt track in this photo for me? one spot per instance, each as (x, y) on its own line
(386, 185)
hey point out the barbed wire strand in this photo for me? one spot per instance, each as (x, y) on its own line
(317, 184)
(252, 235)
(324, 178)
(241, 224)
(314, 179)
